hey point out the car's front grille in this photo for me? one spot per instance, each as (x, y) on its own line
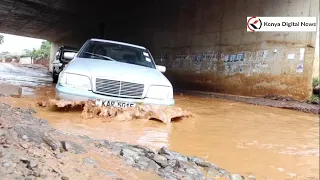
(119, 88)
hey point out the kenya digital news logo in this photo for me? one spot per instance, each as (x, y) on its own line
(254, 23)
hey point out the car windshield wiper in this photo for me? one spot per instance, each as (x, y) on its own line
(102, 56)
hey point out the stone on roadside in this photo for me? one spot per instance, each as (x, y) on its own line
(72, 147)
(172, 163)
(223, 171)
(251, 177)
(213, 172)
(24, 145)
(168, 168)
(154, 166)
(142, 151)
(10, 170)
(129, 154)
(166, 152)
(10, 90)
(30, 178)
(36, 172)
(167, 175)
(161, 160)
(24, 160)
(3, 133)
(33, 164)
(171, 154)
(236, 177)
(33, 134)
(64, 178)
(188, 167)
(143, 163)
(129, 161)
(52, 143)
(108, 174)
(7, 163)
(201, 162)
(89, 162)
(114, 147)
(25, 137)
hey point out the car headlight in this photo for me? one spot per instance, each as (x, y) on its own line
(74, 80)
(160, 92)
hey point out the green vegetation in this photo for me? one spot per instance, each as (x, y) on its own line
(42, 53)
(315, 98)
(315, 82)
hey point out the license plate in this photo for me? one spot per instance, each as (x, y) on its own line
(118, 104)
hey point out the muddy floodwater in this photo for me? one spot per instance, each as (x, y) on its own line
(267, 142)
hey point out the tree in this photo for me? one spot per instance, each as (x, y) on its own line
(41, 53)
(1, 39)
(27, 53)
(5, 54)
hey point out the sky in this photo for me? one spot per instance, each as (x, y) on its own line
(16, 44)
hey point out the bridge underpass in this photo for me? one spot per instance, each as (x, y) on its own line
(204, 44)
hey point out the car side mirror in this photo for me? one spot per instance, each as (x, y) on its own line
(69, 55)
(161, 68)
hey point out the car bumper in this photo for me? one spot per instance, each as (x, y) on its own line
(75, 94)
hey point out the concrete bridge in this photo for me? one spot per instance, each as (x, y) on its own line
(203, 43)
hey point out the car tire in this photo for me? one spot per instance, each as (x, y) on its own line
(55, 77)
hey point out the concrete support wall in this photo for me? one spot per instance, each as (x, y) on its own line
(206, 47)
(316, 64)
(53, 51)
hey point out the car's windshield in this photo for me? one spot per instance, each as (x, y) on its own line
(117, 52)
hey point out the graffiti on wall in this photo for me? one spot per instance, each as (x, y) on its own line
(260, 67)
(233, 57)
(242, 62)
(201, 61)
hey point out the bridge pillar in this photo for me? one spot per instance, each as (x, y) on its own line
(53, 51)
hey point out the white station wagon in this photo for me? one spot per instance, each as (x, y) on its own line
(114, 74)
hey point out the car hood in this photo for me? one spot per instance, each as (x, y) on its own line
(96, 68)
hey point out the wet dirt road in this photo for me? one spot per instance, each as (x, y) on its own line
(267, 142)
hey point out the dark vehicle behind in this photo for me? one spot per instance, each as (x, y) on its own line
(63, 56)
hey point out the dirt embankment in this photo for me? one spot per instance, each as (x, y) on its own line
(31, 149)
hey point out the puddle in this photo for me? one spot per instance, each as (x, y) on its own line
(23, 76)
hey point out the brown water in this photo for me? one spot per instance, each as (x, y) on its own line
(267, 142)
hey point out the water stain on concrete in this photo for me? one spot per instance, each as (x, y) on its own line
(297, 87)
